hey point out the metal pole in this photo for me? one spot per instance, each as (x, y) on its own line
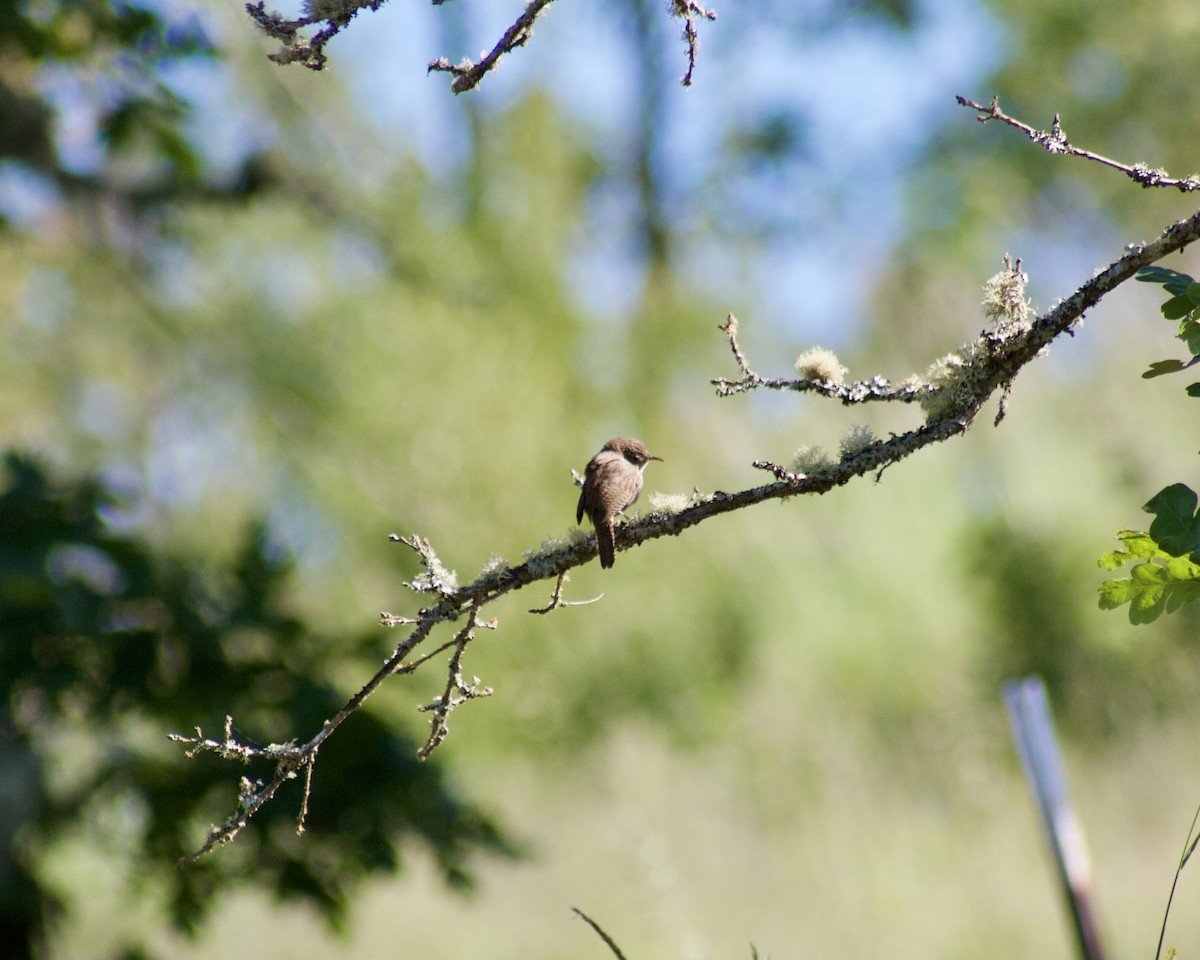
(1033, 729)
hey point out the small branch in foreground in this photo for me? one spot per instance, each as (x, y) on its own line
(861, 391)
(252, 794)
(556, 597)
(457, 691)
(612, 945)
(1189, 847)
(1055, 141)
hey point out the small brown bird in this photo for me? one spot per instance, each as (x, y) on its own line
(612, 482)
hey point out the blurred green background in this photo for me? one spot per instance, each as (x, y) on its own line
(256, 319)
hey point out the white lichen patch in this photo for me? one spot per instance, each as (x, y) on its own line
(808, 459)
(858, 439)
(669, 502)
(817, 363)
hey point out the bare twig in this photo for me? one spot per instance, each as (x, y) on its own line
(556, 597)
(467, 73)
(862, 391)
(457, 690)
(612, 944)
(335, 14)
(1189, 847)
(1055, 141)
(308, 775)
(290, 757)
(687, 11)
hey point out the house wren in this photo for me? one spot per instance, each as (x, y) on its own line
(611, 483)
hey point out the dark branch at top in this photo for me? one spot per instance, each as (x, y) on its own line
(467, 74)
(336, 15)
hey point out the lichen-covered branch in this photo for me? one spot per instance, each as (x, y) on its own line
(293, 47)
(688, 11)
(1055, 141)
(457, 691)
(333, 16)
(950, 394)
(467, 73)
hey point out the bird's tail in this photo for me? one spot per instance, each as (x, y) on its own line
(606, 541)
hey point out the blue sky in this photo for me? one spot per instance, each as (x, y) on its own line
(872, 99)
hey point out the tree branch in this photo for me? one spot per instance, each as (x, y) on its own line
(687, 11)
(951, 394)
(467, 74)
(1055, 141)
(336, 15)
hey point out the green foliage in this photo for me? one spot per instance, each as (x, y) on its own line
(1184, 306)
(139, 120)
(1166, 561)
(1176, 528)
(1166, 566)
(109, 643)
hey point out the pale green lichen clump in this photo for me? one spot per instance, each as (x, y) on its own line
(496, 564)
(808, 460)
(669, 502)
(1005, 303)
(858, 439)
(336, 10)
(949, 379)
(553, 544)
(817, 363)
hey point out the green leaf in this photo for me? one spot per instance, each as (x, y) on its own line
(1174, 281)
(1175, 527)
(1177, 308)
(1138, 546)
(1115, 593)
(1193, 390)
(1161, 368)
(1143, 591)
(1193, 293)
(1189, 333)
(1182, 569)
(1161, 582)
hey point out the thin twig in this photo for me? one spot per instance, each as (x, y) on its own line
(556, 597)
(467, 73)
(1055, 141)
(457, 691)
(295, 49)
(612, 945)
(308, 776)
(1189, 847)
(862, 391)
(687, 11)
